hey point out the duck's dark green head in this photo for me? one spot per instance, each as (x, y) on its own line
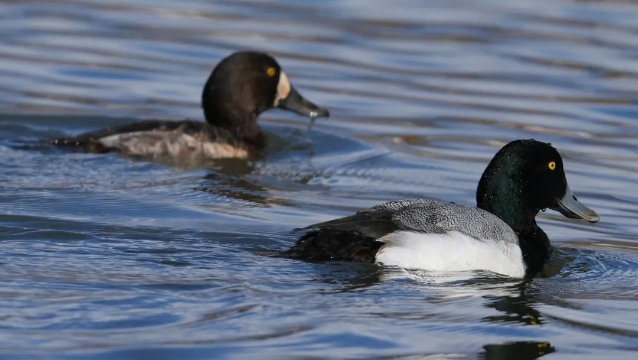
(525, 177)
(245, 84)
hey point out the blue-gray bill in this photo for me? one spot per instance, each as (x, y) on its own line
(570, 207)
(297, 103)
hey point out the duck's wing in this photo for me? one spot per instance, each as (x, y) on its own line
(152, 137)
(443, 218)
(421, 215)
(93, 141)
(370, 224)
(374, 222)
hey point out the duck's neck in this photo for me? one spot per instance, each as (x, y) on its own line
(504, 198)
(239, 123)
(239, 117)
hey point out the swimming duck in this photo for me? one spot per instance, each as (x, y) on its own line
(499, 235)
(240, 88)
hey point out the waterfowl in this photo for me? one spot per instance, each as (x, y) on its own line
(499, 235)
(240, 88)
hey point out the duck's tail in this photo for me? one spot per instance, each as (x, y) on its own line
(82, 144)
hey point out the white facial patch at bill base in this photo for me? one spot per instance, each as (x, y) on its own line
(283, 88)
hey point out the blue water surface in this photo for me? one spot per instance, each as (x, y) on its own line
(105, 257)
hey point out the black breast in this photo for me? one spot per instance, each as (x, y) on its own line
(535, 247)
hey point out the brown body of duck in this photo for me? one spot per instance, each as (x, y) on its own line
(240, 88)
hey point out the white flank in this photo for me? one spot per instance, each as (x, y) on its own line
(453, 251)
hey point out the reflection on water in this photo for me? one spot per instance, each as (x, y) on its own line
(110, 257)
(514, 309)
(524, 350)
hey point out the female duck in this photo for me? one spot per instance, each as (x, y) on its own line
(500, 235)
(241, 87)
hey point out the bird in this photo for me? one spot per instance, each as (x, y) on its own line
(241, 87)
(499, 235)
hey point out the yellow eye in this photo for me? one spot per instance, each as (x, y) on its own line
(271, 71)
(551, 165)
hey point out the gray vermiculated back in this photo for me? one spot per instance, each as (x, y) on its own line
(431, 216)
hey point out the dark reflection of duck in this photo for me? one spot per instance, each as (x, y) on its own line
(239, 89)
(234, 187)
(500, 235)
(519, 350)
(516, 309)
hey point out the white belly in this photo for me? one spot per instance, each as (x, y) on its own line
(453, 251)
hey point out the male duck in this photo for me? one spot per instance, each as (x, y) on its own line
(242, 86)
(500, 235)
